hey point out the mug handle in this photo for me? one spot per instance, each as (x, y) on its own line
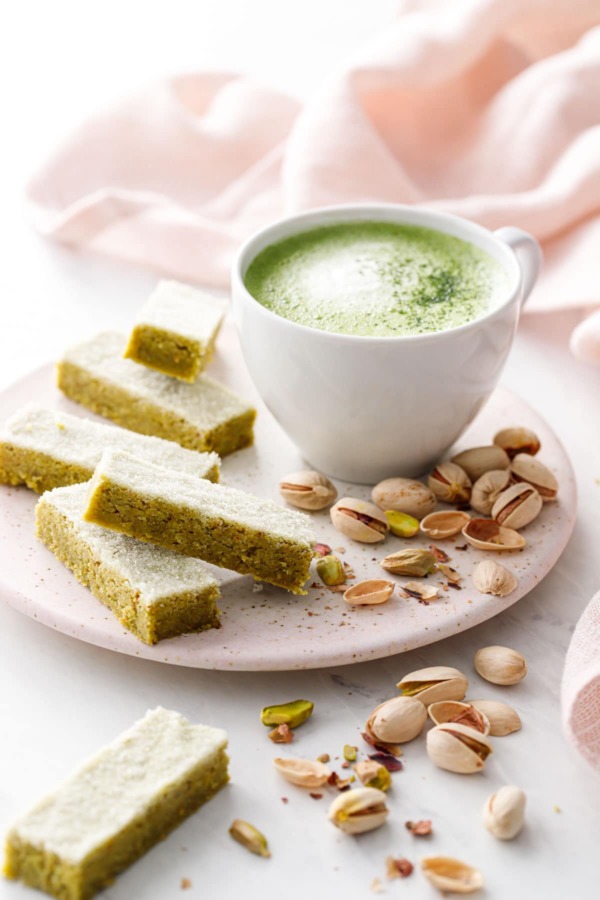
(528, 253)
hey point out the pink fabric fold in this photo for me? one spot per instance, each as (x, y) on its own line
(581, 685)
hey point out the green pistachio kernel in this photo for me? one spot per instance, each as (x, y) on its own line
(249, 837)
(350, 753)
(401, 524)
(293, 713)
(331, 570)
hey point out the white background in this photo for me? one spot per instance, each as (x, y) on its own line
(62, 699)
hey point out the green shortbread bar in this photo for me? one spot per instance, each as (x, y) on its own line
(200, 416)
(221, 525)
(153, 592)
(121, 802)
(175, 330)
(45, 449)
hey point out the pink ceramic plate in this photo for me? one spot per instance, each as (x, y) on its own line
(265, 628)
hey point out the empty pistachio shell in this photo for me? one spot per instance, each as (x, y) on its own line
(440, 525)
(405, 495)
(487, 488)
(504, 812)
(451, 574)
(359, 520)
(397, 720)
(461, 713)
(249, 837)
(518, 440)
(503, 718)
(490, 577)
(500, 665)
(373, 774)
(458, 748)
(401, 524)
(307, 490)
(360, 810)
(416, 562)
(369, 593)
(450, 483)
(293, 714)
(451, 875)
(434, 683)
(420, 591)
(527, 468)
(487, 534)
(479, 460)
(331, 570)
(517, 506)
(303, 772)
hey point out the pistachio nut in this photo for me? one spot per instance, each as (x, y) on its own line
(397, 721)
(489, 577)
(441, 525)
(458, 748)
(500, 665)
(518, 440)
(359, 520)
(451, 875)
(350, 752)
(450, 483)
(487, 488)
(487, 534)
(404, 495)
(434, 683)
(460, 713)
(369, 593)
(417, 562)
(401, 524)
(293, 713)
(360, 810)
(307, 490)
(249, 837)
(307, 773)
(479, 460)
(425, 592)
(504, 812)
(527, 468)
(373, 774)
(517, 506)
(503, 718)
(331, 570)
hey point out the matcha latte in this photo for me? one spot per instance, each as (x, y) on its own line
(376, 278)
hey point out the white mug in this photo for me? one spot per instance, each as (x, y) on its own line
(363, 408)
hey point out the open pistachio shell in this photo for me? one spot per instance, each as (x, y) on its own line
(451, 875)
(503, 718)
(397, 720)
(460, 713)
(487, 534)
(531, 470)
(360, 520)
(307, 490)
(307, 773)
(479, 460)
(517, 506)
(458, 748)
(450, 483)
(518, 440)
(441, 525)
(404, 495)
(358, 811)
(369, 593)
(489, 577)
(487, 488)
(434, 683)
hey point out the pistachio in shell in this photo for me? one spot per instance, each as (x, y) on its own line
(518, 440)
(487, 534)
(450, 483)
(451, 875)
(500, 665)
(372, 592)
(462, 713)
(358, 811)
(434, 683)
(487, 488)
(532, 471)
(489, 577)
(307, 490)
(360, 520)
(404, 495)
(458, 748)
(397, 721)
(504, 812)
(517, 506)
(503, 718)
(444, 524)
(478, 460)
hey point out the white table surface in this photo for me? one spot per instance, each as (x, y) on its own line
(61, 699)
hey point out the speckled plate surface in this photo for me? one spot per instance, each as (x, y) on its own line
(264, 628)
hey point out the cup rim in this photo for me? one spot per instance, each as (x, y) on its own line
(394, 212)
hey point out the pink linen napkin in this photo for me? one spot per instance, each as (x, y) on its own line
(581, 685)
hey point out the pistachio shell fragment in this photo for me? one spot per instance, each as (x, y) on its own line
(373, 774)
(401, 524)
(451, 875)
(307, 490)
(487, 488)
(307, 773)
(397, 721)
(293, 713)
(331, 570)
(249, 837)
(487, 534)
(479, 460)
(416, 562)
(358, 811)
(517, 506)
(527, 468)
(518, 440)
(500, 665)
(425, 592)
(369, 593)
(504, 812)
(404, 495)
(451, 574)
(460, 713)
(450, 483)
(441, 525)
(458, 748)
(503, 718)
(434, 683)
(360, 520)
(489, 577)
